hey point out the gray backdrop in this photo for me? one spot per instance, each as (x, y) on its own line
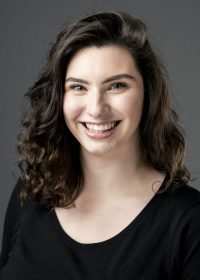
(27, 28)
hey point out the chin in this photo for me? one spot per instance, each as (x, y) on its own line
(98, 151)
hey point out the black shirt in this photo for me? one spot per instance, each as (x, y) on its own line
(162, 242)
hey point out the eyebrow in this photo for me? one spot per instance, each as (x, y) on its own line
(112, 78)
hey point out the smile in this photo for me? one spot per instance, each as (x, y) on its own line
(101, 127)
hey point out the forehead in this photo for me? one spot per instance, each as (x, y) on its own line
(97, 59)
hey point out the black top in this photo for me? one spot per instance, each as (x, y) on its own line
(162, 242)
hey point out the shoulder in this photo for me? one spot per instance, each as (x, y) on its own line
(18, 210)
(183, 197)
(185, 246)
(15, 202)
(182, 205)
(14, 207)
(188, 203)
(19, 186)
(180, 211)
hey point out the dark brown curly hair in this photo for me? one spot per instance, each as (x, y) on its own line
(49, 155)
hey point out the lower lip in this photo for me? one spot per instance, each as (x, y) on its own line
(99, 135)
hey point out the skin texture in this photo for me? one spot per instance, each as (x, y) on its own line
(99, 103)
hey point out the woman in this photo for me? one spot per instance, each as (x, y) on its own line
(104, 190)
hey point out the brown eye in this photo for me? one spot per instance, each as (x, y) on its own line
(77, 87)
(116, 86)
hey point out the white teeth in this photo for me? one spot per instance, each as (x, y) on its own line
(101, 127)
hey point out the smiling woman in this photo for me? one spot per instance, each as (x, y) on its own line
(97, 111)
(101, 154)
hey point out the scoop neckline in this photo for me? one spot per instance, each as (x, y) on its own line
(69, 240)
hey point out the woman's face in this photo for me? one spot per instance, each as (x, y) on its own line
(103, 98)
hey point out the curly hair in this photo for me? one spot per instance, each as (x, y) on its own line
(49, 155)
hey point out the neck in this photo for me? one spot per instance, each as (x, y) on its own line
(112, 174)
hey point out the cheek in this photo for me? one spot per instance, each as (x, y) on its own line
(132, 104)
(71, 108)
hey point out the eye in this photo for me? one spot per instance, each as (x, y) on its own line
(77, 87)
(118, 85)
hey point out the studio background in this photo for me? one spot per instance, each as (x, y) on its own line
(27, 30)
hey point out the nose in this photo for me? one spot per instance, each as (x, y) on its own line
(97, 105)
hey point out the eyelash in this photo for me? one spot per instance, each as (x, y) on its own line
(122, 85)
